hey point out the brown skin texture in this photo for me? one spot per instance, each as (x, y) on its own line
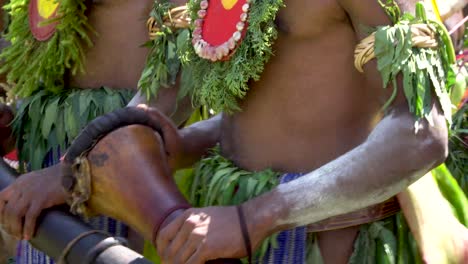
(33, 196)
(117, 58)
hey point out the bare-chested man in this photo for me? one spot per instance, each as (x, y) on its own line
(323, 119)
(115, 61)
(334, 130)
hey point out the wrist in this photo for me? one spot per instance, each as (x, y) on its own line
(187, 155)
(176, 159)
(57, 171)
(259, 220)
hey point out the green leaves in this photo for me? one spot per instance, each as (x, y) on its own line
(384, 51)
(216, 85)
(163, 62)
(31, 64)
(48, 122)
(388, 241)
(50, 117)
(219, 85)
(217, 181)
(392, 9)
(404, 252)
(217, 178)
(457, 160)
(424, 70)
(452, 192)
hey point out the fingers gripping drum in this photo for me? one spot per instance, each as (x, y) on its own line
(123, 171)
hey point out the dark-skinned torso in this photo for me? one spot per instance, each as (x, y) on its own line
(116, 58)
(311, 105)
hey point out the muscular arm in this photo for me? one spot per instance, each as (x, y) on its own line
(166, 102)
(387, 162)
(392, 157)
(197, 138)
(439, 235)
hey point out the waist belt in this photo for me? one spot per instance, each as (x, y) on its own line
(363, 216)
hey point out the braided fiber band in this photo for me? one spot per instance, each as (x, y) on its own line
(107, 123)
(423, 36)
(158, 225)
(245, 232)
(177, 17)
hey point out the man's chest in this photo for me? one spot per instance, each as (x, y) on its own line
(116, 58)
(308, 18)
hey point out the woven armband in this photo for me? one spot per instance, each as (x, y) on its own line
(422, 36)
(422, 52)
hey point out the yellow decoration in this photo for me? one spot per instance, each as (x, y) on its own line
(436, 10)
(228, 4)
(47, 8)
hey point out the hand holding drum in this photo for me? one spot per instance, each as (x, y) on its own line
(118, 166)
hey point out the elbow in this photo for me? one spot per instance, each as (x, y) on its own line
(411, 150)
(417, 148)
(418, 153)
(433, 144)
(429, 143)
(436, 150)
